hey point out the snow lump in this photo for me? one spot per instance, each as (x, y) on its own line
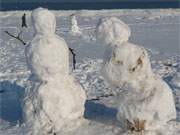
(74, 26)
(112, 31)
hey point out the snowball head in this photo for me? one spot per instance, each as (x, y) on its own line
(111, 30)
(44, 21)
(129, 64)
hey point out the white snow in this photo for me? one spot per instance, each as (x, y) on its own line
(146, 98)
(112, 31)
(56, 100)
(156, 29)
(74, 26)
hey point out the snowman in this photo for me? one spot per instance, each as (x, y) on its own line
(56, 100)
(146, 102)
(74, 26)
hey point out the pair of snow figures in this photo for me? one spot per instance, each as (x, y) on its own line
(56, 100)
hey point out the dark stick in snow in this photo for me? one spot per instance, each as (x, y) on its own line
(24, 24)
(16, 37)
(102, 96)
(74, 57)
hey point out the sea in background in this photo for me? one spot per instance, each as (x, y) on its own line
(89, 6)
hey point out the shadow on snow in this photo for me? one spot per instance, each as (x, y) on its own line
(10, 102)
(11, 110)
(99, 112)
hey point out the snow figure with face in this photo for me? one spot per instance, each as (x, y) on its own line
(146, 102)
(56, 100)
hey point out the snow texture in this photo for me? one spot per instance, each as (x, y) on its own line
(112, 31)
(156, 29)
(146, 98)
(56, 101)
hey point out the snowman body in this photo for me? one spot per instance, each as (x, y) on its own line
(56, 99)
(152, 104)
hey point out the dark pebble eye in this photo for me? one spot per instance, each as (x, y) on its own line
(120, 62)
(139, 61)
(132, 69)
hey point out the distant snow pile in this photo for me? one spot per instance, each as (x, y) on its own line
(56, 101)
(74, 26)
(147, 102)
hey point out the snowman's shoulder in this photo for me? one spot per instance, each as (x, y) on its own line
(35, 41)
(61, 41)
(161, 86)
(34, 45)
(29, 48)
(131, 47)
(135, 46)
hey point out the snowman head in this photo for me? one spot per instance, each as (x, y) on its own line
(112, 31)
(129, 64)
(44, 21)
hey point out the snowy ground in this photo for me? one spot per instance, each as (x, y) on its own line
(156, 30)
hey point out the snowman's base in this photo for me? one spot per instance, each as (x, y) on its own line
(172, 128)
(92, 128)
(88, 127)
(137, 125)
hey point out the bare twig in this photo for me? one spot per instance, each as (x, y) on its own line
(19, 34)
(102, 96)
(74, 57)
(16, 37)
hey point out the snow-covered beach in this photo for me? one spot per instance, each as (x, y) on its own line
(156, 30)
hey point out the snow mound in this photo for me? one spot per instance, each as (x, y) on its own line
(112, 30)
(74, 26)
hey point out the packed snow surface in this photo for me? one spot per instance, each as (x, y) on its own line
(158, 32)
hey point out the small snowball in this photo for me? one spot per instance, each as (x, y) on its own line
(111, 30)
